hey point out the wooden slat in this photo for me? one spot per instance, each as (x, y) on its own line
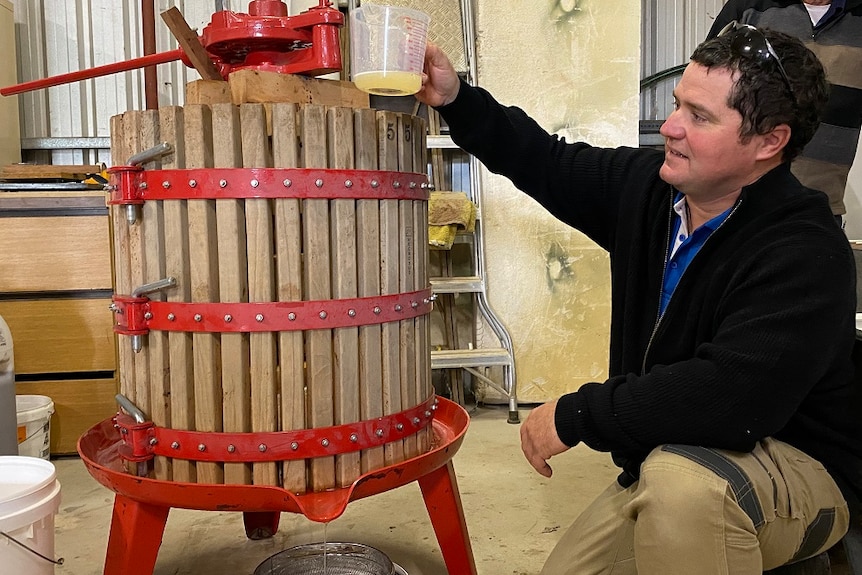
(288, 242)
(406, 280)
(156, 352)
(233, 285)
(261, 286)
(317, 281)
(61, 335)
(79, 404)
(368, 271)
(424, 388)
(80, 261)
(252, 86)
(122, 265)
(203, 239)
(177, 265)
(48, 172)
(133, 136)
(339, 127)
(387, 134)
(207, 92)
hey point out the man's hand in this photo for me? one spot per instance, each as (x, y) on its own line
(539, 439)
(440, 82)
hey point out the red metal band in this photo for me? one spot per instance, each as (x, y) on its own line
(136, 316)
(143, 441)
(130, 185)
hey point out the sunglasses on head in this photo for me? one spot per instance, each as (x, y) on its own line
(750, 42)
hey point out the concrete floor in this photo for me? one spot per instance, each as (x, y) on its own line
(514, 515)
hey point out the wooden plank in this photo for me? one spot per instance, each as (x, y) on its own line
(188, 40)
(317, 281)
(288, 249)
(233, 286)
(49, 172)
(81, 261)
(387, 134)
(406, 281)
(134, 137)
(252, 86)
(261, 286)
(61, 335)
(207, 92)
(122, 265)
(156, 352)
(340, 142)
(424, 388)
(368, 272)
(177, 265)
(79, 404)
(203, 257)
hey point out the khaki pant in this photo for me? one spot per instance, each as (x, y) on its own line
(699, 511)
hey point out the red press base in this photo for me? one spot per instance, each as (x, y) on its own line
(141, 505)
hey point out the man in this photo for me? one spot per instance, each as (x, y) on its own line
(733, 299)
(833, 31)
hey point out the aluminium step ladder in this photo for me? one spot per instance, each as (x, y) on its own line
(474, 359)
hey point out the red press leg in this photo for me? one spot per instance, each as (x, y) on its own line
(260, 524)
(136, 535)
(440, 491)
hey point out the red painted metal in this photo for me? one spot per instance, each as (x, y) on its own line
(141, 504)
(266, 39)
(143, 441)
(139, 315)
(133, 185)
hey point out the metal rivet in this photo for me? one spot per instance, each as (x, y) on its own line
(193, 183)
(202, 447)
(124, 431)
(259, 317)
(398, 307)
(175, 445)
(148, 315)
(427, 414)
(426, 301)
(396, 185)
(143, 185)
(198, 317)
(287, 183)
(434, 407)
(379, 433)
(294, 445)
(171, 317)
(400, 427)
(222, 183)
(412, 185)
(348, 184)
(414, 304)
(324, 443)
(415, 421)
(318, 183)
(261, 447)
(166, 185)
(254, 183)
(377, 310)
(354, 438)
(322, 315)
(228, 318)
(424, 185)
(291, 316)
(351, 312)
(231, 448)
(153, 441)
(374, 183)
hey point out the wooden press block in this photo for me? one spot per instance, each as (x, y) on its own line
(250, 86)
(61, 335)
(52, 243)
(207, 92)
(47, 172)
(78, 405)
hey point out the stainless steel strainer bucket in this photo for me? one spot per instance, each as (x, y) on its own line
(341, 559)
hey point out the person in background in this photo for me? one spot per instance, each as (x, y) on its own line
(733, 296)
(832, 29)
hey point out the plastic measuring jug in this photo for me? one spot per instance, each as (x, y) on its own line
(387, 49)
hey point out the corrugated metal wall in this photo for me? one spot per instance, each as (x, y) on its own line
(59, 36)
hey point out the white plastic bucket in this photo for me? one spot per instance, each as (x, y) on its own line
(34, 425)
(29, 499)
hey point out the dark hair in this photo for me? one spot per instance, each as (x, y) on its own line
(760, 93)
